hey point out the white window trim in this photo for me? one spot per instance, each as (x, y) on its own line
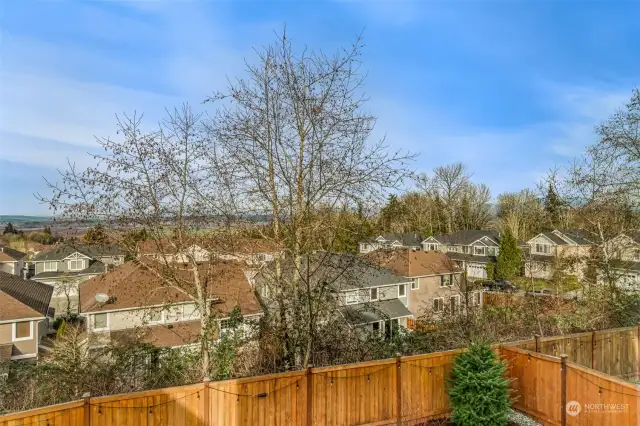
(457, 297)
(415, 284)
(346, 297)
(76, 261)
(102, 328)
(484, 251)
(441, 299)
(44, 266)
(377, 294)
(20, 339)
(405, 290)
(442, 285)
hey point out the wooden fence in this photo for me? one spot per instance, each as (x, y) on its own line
(615, 352)
(556, 391)
(402, 391)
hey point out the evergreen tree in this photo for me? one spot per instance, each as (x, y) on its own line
(509, 257)
(47, 230)
(10, 229)
(96, 235)
(552, 206)
(478, 390)
(491, 270)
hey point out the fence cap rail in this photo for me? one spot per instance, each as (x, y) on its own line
(42, 410)
(612, 379)
(252, 379)
(146, 394)
(532, 354)
(618, 330)
(433, 355)
(365, 364)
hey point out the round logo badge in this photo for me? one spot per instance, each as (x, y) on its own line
(573, 408)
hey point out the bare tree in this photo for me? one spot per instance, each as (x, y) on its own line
(449, 182)
(293, 137)
(156, 180)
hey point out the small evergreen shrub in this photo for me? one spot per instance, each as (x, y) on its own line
(478, 390)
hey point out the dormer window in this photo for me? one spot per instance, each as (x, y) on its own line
(432, 246)
(478, 251)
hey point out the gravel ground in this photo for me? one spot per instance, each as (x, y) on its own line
(522, 420)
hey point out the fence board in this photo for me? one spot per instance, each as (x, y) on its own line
(590, 389)
(67, 414)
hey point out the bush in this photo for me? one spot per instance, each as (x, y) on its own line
(478, 391)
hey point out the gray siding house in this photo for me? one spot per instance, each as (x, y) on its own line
(66, 266)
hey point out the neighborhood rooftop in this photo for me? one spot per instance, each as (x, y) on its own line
(21, 298)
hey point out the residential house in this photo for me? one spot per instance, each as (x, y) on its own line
(12, 261)
(366, 295)
(623, 253)
(133, 303)
(566, 248)
(24, 311)
(67, 265)
(392, 241)
(437, 283)
(253, 252)
(470, 249)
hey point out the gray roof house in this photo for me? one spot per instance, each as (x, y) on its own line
(66, 265)
(471, 249)
(11, 261)
(23, 316)
(392, 240)
(366, 295)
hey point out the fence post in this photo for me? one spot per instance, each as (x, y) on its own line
(399, 389)
(537, 337)
(206, 402)
(87, 408)
(309, 396)
(563, 389)
(593, 350)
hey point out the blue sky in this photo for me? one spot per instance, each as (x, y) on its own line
(510, 88)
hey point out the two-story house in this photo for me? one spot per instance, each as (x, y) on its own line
(410, 240)
(24, 311)
(67, 265)
(437, 283)
(366, 295)
(623, 257)
(12, 261)
(471, 249)
(566, 248)
(136, 302)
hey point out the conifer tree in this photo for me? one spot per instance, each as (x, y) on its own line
(478, 390)
(509, 257)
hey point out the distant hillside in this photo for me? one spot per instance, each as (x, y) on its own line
(19, 219)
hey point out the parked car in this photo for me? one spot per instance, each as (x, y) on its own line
(499, 285)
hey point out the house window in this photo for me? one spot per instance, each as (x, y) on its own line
(478, 251)
(454, 304)
(415, 284)
(543, 248)
(155, 315)
(402, 290)
(101, 321)
(50, 266)
(475, 298)
(377, 326)
(351, 297)
(636, 254)
(432, 247)
(445, 280)
(438, 304)
(190, 312)
(493, 251)
(22, 331)
(266, 293)
(374, 294)
(76, 265)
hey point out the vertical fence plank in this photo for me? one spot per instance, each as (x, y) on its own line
(398, 389)
(563, 389)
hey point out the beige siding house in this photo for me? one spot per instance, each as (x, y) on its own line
(132, 304)
(568, 249)
(24, 307)
(436, 283)
(12, 261)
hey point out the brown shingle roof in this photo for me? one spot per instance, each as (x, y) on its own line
(180, 334)
(410, 263)
(144, 283)
(8, 254)
(21, 298)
